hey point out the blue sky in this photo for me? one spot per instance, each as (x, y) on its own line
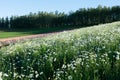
(21, 7)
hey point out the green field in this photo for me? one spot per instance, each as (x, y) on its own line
(91, 53)
(24, 32)
(11, 34)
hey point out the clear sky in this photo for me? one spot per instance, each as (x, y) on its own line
(22, 7)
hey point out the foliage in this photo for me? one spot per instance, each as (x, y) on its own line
(91, 53)
(80, 18)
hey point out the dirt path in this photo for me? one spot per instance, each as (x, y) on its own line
(7, 41)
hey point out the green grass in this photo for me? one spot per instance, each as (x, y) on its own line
(11, 34)
(24, 32)
(91, 53)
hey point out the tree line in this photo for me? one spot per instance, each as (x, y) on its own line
(81, 17)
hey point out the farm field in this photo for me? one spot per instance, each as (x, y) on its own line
(91, 53)
(11, 34)
(25, 32)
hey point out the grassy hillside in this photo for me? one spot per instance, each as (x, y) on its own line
(91, 53)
